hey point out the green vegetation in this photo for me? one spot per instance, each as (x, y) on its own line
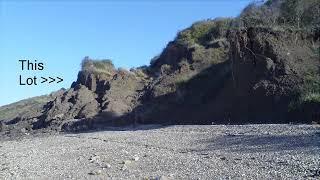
(308, 93)
(140, 73)
(312, 82)
(277, 14)
(293, 15)
(311, 98)
(181, 80)
(97, 66)
(204, 31)
(311, 90)
(22, 107)
(300, 13)
(285, 13)
(280, 15)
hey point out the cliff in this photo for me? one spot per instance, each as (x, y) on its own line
(215, 72)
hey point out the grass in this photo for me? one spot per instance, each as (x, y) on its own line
(182, 80)
(311, 98)
(309, 93)
(289, 14)
(139, 73)
(22, 107)
(203, 31)
(294, 13)
(97, 66)
(214, 56)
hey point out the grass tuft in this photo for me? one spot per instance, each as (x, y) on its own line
(97, 66)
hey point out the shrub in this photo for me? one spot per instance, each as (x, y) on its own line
(211, 56)
(219, 29)
(311, 98)
(140, 73)
(312, 82)
(256, 14)
(97, 66)
(308, 93)
(292, 13)
(203, 31)
(298, 13)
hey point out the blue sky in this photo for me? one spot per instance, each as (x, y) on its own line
(60, 33)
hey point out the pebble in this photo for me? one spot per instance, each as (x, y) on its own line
(107, 165)
(94, 158)
(135, 158)
(123, 168)
(293, 154)
(126, 162)
(156, 178)
(95, 172)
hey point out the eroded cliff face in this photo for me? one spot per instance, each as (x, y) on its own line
(258, 74)
(91, 99)
(242, 76)
(268, 67)
(159, 95)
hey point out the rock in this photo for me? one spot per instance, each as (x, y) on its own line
(1, 126)
(76, 125)
(73, 104)
(95, 172)
(223, 158)
(94, 159)
(226, 77)
(157, 178)
(23, 130)
(123, 168)
(135, 158)
(162, 178)
(126, 162)
(107, 166)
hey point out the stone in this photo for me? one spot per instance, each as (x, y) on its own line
(107, 166)
(123, 168)
(126, 162)
(95, 172)
(94, 159)
(135, 158)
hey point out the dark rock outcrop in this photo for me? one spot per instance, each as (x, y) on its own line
(78, 102)
(93, 98)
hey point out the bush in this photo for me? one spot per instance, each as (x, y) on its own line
(300, 13)
(97, 66)
(140, 73)
(311, 98)
(292, 13)
(256, 14)
(308, 93)
(203, 31)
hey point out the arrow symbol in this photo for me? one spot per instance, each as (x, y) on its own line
(44, 79)
(60, 79)
(52, 80)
